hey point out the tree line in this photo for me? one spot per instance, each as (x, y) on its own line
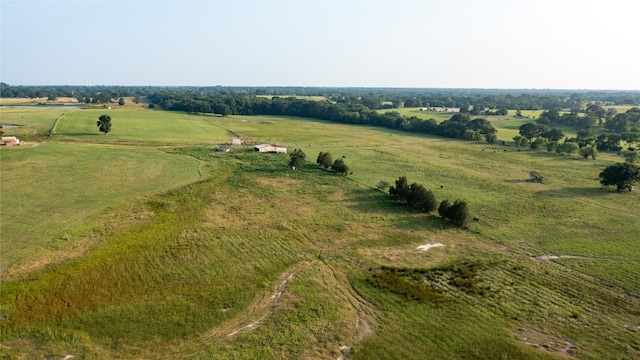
(471, 100)
(460, 126)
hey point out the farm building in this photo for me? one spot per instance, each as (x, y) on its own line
(268, 148)
(236, 141)
(441, 109)
(10, 141)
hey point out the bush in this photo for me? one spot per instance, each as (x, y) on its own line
(414, 195)
(383, 185)
(536, 177)
(456, 213)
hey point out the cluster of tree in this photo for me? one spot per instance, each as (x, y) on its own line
(325, 160)
(297, 158)
(628, 121)
(414, 195)
(421, 198)
(587, 142)
(461, 126)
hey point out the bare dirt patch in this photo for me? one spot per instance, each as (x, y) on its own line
(544, 341)
(553, 257)
(427, 247)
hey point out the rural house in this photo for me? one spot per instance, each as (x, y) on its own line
(268, 148)
(10, 141)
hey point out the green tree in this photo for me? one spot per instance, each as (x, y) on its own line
(121, 101)
(598, 111)
(539, 143)
(297, 158)
(567, 148)
(632, 157)
(421, 198)
(457, 213)
(622, 175)
(588, 151)
(401, 190)
(324, 159)
(520, 141)
(531, 130)
(104, 123)
(444, 208)
(553, 134)
(340, 167)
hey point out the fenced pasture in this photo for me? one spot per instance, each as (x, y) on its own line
(256, 260)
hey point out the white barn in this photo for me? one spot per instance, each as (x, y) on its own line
(268, 148)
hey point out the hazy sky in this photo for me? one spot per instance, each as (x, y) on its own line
(556, 44)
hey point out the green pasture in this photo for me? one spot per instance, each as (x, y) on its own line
(437, 116)
(255, 260)
(48, 189)
(34, 124)
(143, 126)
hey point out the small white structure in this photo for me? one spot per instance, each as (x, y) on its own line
(10, 141)
(236, 141)
(441, 109)
(268, 148)
(426, 247)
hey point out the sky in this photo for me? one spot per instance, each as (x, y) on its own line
(504, 44)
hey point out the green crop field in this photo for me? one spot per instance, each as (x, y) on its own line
(146, 243)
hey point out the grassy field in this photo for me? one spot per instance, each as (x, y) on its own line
(33, 124)
(143, 126)
(254, 260)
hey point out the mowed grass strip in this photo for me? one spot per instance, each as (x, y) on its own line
(49, 188)
(143, 126)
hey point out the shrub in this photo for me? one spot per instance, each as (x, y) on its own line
(456, 213)
(383, 185)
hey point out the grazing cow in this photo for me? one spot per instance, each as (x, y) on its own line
(476, 219)
(441, 186)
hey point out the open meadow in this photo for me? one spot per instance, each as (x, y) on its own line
(147, 243)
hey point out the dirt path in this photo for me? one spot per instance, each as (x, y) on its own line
(363, 311)
(258, 311)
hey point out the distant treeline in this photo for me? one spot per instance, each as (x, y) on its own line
(372, 98)
(459, 126)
